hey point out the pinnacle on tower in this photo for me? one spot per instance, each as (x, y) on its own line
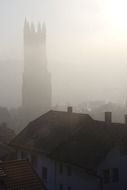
(25, 22)
(32, 27)
(26, 26)
(39, 28)
(44, 31)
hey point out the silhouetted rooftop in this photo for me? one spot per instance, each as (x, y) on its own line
(72, 137)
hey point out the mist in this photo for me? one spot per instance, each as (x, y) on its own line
(86, 49)
(63, 94)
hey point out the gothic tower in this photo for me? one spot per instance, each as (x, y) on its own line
(36, 87)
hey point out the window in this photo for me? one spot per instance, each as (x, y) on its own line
(23, 156)
(106, 176)
(69, 172)
(69, 188)
(61, 168)
(61, 187)
(34, 160)
(44, 173)
(115, 174)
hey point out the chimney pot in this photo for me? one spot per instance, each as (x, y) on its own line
(125, 119)
(69, 109)
(108, 117)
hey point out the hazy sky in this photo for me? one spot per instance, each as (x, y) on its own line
(86, 48)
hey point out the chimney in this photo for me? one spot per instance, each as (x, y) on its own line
(69, 109)
(108, 117)
(125, 119)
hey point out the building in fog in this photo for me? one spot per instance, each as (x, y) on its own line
(36, 87)
(73, 151)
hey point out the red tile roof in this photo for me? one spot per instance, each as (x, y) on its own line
(20, 175)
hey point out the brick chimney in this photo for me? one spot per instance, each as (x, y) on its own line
(69, 109)
(108, 117)
(125, 119)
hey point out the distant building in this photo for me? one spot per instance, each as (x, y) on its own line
(5, 117)
(36, 87)
(6, 134)
(7, 152)
(19, 175)
(65, 149)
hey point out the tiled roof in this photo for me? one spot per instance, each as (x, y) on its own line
(72, 137)
(49, 130)
(20, 176)
(90, 144)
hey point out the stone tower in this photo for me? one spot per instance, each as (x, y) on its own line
(36, 87)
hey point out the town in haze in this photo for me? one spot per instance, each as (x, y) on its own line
(63, 103)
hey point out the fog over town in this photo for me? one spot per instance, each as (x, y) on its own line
(63, 94)
(86, 44)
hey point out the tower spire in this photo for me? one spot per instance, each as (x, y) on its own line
(26, 26)
(39, 28)
(25, 22)
(32, 27)
(44, 32)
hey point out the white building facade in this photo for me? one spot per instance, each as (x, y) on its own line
(60, 176)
